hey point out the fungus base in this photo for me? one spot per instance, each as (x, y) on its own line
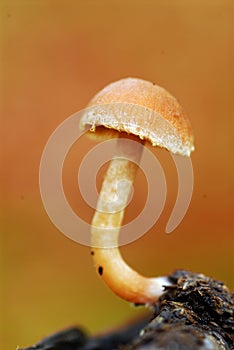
(195, 313)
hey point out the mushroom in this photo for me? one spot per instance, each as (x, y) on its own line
(141, 111)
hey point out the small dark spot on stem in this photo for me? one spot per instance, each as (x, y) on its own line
(92, 252)
(154, 83)
(100, 270)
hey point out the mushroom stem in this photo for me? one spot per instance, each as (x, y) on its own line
(106, 225)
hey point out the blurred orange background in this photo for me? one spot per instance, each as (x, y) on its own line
(55, 56)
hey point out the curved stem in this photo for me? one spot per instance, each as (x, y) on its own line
(106, 225)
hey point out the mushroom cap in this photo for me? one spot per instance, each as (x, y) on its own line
(144, 109)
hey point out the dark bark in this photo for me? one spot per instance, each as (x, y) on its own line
(196, 313)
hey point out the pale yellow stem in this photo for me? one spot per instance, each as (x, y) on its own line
(106, 225)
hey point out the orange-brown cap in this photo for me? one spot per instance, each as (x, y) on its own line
(144, 109)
